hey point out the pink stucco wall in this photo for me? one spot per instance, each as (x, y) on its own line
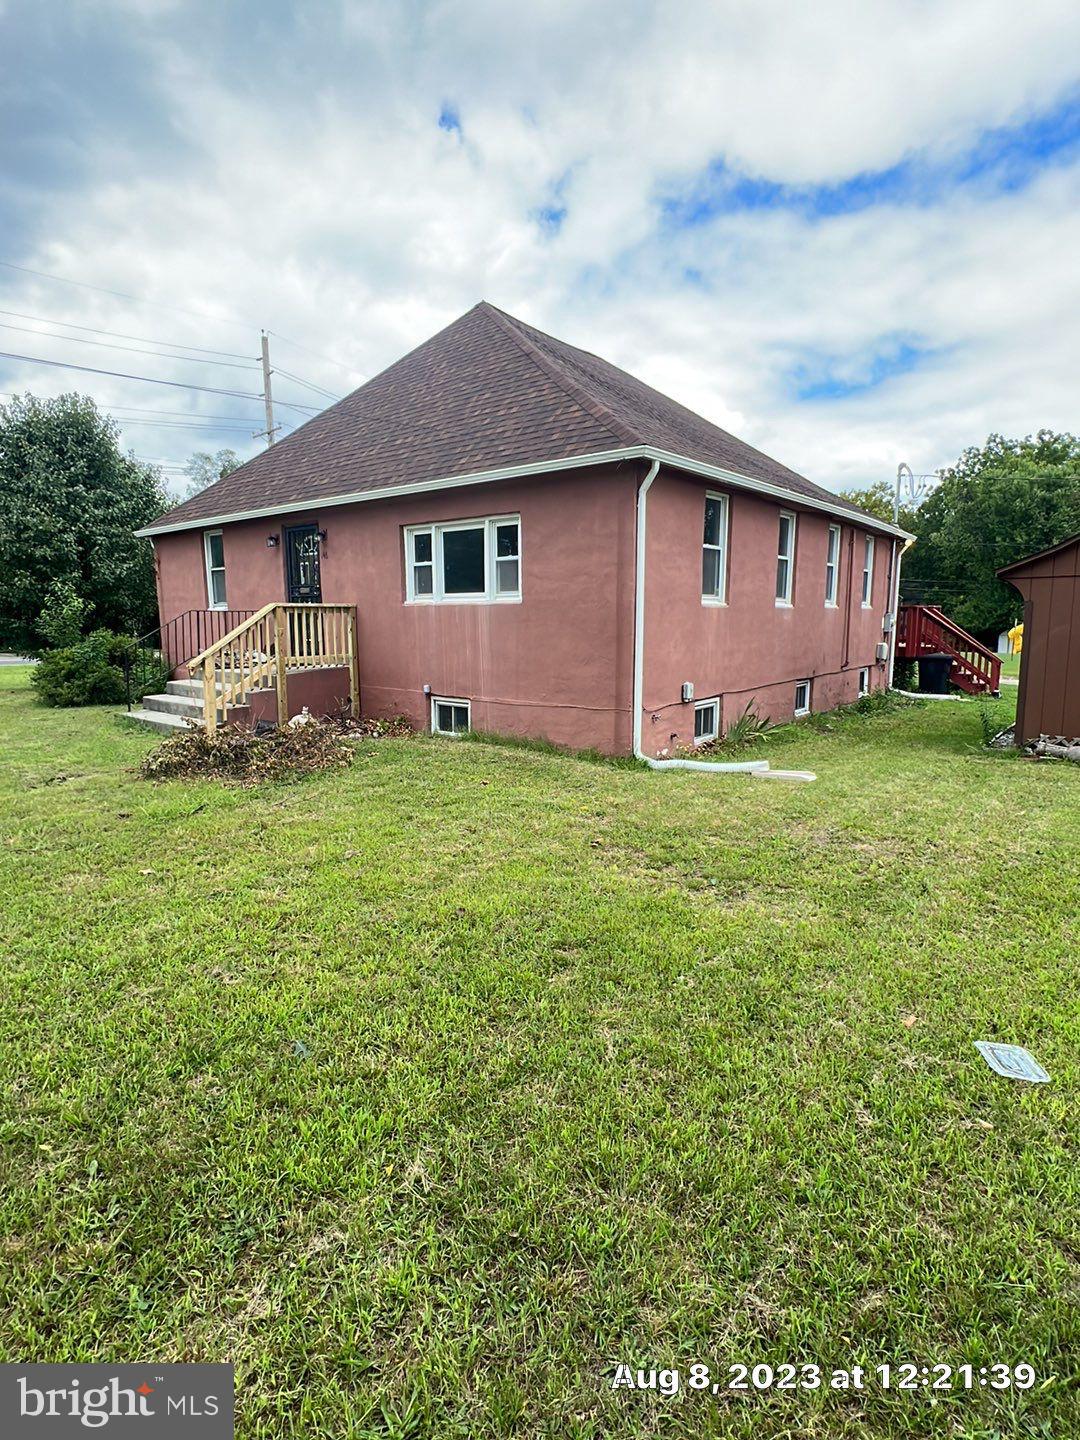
(559, 664)
(750, 649)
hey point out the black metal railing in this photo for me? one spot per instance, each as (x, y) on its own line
(152, 658)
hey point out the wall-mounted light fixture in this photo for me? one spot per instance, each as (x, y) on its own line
(322, 539)
(272, 542)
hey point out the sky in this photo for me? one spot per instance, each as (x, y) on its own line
(848, 232)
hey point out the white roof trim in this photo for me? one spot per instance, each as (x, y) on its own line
(538, 467)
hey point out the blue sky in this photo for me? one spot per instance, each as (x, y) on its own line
(845, 234)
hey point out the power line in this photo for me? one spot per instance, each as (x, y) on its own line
(122, 375)
(313, 353)
(134, 349)
(152, 380)
(119, 335)
(310, 386)
(123, 295)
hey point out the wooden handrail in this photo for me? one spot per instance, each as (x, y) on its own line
(233, 634)
(258, 655)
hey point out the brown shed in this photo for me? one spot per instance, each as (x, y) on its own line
(1049, 700)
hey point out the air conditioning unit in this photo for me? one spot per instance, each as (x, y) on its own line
(882, 651)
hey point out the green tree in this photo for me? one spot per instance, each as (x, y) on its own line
(878, 499)
(204, 469)
(998, 503)
(69, 502)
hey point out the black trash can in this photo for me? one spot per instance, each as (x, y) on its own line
(934, 674)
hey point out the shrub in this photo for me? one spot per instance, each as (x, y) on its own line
(245, 756)
(61, 620)
(87, 673)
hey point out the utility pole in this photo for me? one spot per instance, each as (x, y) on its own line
(268, 399)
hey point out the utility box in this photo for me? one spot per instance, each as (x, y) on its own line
(687, 691)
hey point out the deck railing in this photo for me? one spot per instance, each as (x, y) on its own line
(259, 654)
(927, 630)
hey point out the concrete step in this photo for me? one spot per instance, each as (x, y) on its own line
(184, 687)
(159, 720)
(174, 705)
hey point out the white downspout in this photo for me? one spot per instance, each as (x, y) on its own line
(741, 767)
(896, 609)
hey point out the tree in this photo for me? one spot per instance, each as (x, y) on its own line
(998, 503)
(69, 504)
(878, 499)
(204, 469)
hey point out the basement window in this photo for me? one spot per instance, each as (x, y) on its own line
(463, 562)
(706, 721)
(802, 697)
(214, 550)
(450, 717)
(864, 680)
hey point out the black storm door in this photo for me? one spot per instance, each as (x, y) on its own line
(302, 565)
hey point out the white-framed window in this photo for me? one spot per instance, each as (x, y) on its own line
(802, 697)
(706, 721)
(864, 680)
(464, 561)
(832, 565)
(450, 717)
(714, 547)
(785, 558)
(868, 571)
(214, 551)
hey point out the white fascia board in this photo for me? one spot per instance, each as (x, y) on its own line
(539, 467)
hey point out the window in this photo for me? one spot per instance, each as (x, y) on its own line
(714, 550)
(214, 546)
(864, 680)
(802, 697)
(832, 565)
(785, 558)
(449, 717)
(706, 721)
(467, 560)
(868, 572)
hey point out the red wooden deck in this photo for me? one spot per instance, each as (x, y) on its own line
(926, 630)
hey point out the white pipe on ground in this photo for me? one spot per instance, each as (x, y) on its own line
(709, 767)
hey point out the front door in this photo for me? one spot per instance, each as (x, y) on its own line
(302, 576)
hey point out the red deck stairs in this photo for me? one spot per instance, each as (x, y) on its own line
(926, 630)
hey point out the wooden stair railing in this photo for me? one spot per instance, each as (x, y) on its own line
(927, 630)
(260, 652)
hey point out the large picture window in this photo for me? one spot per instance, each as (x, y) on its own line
(785, 558)
(214, 549)
(464, 561)
(714, 550)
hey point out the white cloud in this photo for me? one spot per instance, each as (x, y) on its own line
(318, 197)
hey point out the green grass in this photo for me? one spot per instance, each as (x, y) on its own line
(429, 1092)
(1010, 665)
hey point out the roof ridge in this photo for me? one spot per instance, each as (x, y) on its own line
(508, 324)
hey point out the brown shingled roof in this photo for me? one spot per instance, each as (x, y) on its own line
(487, 393)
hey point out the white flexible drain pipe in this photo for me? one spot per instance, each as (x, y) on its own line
(759, 768)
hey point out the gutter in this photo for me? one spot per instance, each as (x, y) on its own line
(713, 767)
(540, 467)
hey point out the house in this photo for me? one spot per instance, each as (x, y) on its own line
(534, 542)
(1048, 701)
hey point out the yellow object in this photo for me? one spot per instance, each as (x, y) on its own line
(1016, 639)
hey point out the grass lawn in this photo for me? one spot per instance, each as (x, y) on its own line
(429, 1093)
